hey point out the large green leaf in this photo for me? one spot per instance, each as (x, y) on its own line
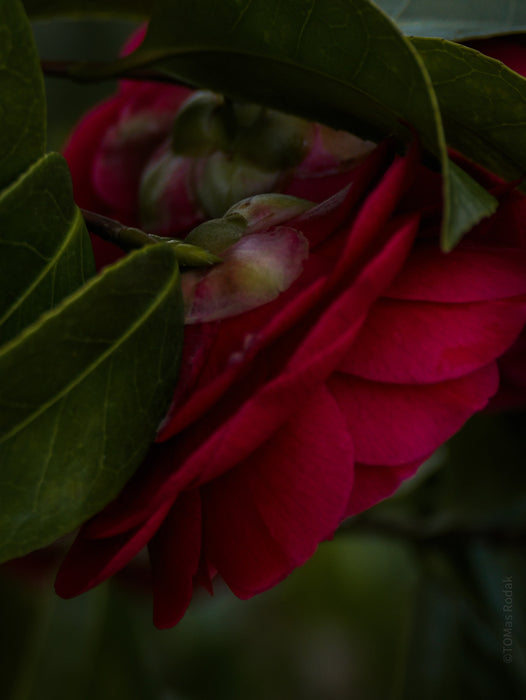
(456, 19)
(22, 106)
(102, 8)
(45, 253)
(342, 63)
(83, 391)
(483, 105)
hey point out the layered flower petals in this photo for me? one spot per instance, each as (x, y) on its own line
(309, 391)
(422, 343)
(268, 515)
(89, 562)
(468, 274)
(394, 424)
(373, 483)
(175, 554)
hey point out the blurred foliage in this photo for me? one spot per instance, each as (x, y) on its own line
(325, 633)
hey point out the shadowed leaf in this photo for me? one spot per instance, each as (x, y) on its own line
(83, 391)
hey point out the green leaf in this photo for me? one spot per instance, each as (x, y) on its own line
(139, 9)
(371, 82)
(23, 106)
(467, 203)
(83, 391)
(276, 53)
(45, 252)
(483, 105)
(456, 19)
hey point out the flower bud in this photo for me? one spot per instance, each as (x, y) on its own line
(199, 127)
(222, 180)
(254, 271)
(167, 206)
(217, 235)
(265, 210)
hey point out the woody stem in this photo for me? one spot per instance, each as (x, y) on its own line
(91, 72)
(125, 237)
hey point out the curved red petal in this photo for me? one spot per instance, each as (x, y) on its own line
(175, 554)
(409, 342)
(89, 562)
(467, 274)
(268, 515)
(395, 424)
(373, 483)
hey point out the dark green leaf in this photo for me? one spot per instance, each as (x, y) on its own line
(276, 53)
(45, 253)
(83, 391)
(483, 105)
(22, 107)
(139, 9)
(456, 19)
(342, 63)
(466, 204)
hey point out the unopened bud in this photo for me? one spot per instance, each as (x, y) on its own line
(265, 210)
(275, 141)
(167, 206)
(254, 271)
(217, 235)
(222, 180)
(199, 128)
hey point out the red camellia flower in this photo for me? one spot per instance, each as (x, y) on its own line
(315, 402)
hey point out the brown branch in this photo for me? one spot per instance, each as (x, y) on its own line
(125, 237)
(129, 238)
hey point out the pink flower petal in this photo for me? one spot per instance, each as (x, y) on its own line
(122, 156)
(373, 483)
(268, 515)
(418, 342)
(394, 424)
(322, 220)
(89, 562)
(175, 553)
(512, 368)
(80, 153)
(81, 149)
(467, 274)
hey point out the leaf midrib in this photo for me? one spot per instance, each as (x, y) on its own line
(54, 261)
(158, 300)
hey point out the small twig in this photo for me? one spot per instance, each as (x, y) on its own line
(125, 237)
(129, 238)
(90, 72)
